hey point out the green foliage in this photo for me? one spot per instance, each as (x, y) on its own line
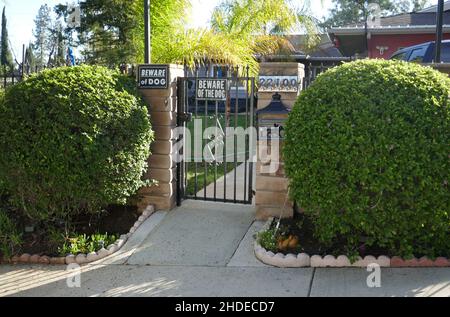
(72, 140)
(268, 240)
(86, 244)
(367, 154)
(42, 35)
(6, 56)
(10, 237)
(113, 30)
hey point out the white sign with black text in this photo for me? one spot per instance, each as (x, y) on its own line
(211, 89)
(153, 76)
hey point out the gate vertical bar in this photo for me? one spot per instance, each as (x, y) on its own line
(236, 109)
(204, 142)
(195, 139)
(216, 143)
(186, 142)
(251, 141)
(180, 110)
(246, 81)
(227, 109)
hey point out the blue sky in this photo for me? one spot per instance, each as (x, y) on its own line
(21, 13)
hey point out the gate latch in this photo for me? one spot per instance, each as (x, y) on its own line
(185, 117)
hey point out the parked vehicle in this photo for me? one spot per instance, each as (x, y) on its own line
(423, 53)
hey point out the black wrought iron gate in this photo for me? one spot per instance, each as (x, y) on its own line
(216, 136)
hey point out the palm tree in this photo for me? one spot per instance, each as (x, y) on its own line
(240, 30)
(262, 25)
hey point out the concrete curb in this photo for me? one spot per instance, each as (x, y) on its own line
(84, 258)
(303, 260)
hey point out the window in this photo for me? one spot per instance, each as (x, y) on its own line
(417, 55)
(445, 53)
(400, 56)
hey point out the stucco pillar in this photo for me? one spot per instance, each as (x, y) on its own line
(162, 106)
(272, 186)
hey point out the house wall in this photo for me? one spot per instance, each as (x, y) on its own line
(396, 42)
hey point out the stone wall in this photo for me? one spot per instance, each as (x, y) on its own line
(272, 187)
(162, 109)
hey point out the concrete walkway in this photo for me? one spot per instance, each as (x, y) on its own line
(205, 249)
(225, 185)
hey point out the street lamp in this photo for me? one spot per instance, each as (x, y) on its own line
(439, 27)
(147, 34)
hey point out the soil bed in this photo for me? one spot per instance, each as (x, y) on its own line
(115, 220)
(307, 243)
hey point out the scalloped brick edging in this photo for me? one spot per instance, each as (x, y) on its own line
(84, 258)
(303, 260)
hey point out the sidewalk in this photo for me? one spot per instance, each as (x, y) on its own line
(205, 249)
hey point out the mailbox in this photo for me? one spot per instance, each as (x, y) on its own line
(271, 119)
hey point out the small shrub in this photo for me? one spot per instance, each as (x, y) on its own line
(10, 236)
(268, 240)
(72, 140)
(367, 154)
(86, 244)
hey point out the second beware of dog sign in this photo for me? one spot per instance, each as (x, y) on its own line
(211, 89)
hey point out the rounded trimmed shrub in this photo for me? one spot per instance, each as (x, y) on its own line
(72, 140)
(368, 156)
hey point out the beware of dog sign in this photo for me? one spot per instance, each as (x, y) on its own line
(153, 76)
(211, 89)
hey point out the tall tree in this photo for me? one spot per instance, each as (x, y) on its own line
(6, 56)
(262, 24)
(112, 32)
(347, 12)
(42, 35)
(30, 60)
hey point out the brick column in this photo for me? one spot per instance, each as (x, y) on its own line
(162, 105)
(272, 188)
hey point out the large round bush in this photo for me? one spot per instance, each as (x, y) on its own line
(368, 155)
(72, 140)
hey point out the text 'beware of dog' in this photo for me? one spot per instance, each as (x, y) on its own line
(153, 77)
(211, 89)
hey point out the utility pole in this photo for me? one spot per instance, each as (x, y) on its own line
(147, 34)
(439, 27)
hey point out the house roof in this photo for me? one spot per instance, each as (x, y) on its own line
(325, 48)
(434, 8)
(423, 21)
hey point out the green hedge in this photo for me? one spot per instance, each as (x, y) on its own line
(10, 236)
(367, 153)
(72, 140)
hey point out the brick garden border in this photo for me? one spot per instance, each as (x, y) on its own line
(303, 260)
(84, 258)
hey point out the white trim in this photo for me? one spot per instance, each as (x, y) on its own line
(410, 29)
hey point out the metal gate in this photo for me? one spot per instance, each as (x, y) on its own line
(216, 160)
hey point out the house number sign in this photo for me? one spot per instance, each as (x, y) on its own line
(278, 84)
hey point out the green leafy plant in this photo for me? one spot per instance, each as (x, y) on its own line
(72, 140)
(86, 244)
(10, 236)
(367, 154)
(268, 240)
